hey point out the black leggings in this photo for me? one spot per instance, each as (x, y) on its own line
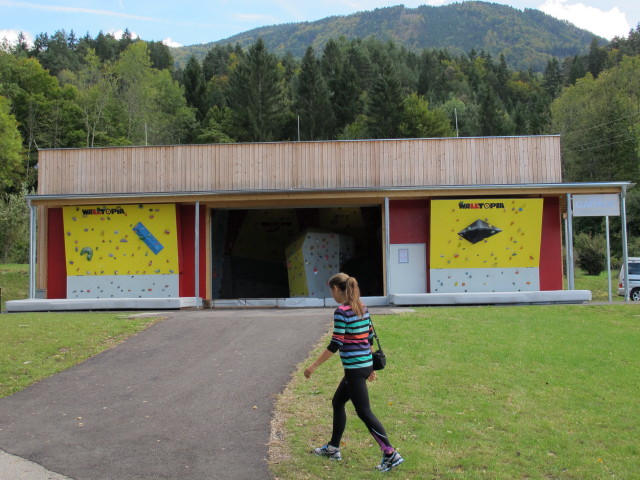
(355, 389)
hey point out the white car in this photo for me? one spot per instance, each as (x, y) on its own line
(634, 279)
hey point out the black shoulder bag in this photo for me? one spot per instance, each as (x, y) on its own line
(379, 358)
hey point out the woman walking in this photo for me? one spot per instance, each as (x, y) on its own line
(353, 337)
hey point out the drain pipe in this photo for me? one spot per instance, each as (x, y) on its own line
(570, 266)
(32, 249)
(197, 255)
(387, 248)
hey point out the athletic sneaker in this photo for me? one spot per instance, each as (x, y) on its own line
(390, 461)
(328, 451)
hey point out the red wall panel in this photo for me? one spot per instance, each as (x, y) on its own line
(409, 221)
(56, 258)
(186, 248)
(551, 246)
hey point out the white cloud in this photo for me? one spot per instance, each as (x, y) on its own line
(63, 9)
(11, 36)
(169, 42)
(606, 24)
(118, 34)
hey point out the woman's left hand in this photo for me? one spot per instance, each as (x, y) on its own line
(373, 376)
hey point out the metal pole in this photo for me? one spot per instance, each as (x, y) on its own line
(197, 255)
(566, 246)
(387, 247)
(570, 272)
(608, 259)
(625, 252)
(455, 110)
(32, 250)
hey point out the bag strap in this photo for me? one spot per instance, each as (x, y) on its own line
(375, 335)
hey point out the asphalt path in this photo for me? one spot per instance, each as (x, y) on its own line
(189, 398)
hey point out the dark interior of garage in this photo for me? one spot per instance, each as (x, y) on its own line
(254, 250)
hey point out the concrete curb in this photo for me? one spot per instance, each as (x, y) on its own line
(16, 468)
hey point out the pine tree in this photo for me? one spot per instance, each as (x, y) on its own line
(161, 58)
(552, 78)
(312, 100)
(342, 80)
(431, 78)
(597, 58)
(216, 62)
(576, 71)
(56, 54)
(194, 87)
(106, 46)
(491, 112)
(21, 48)
(385, 107)
(256, 95)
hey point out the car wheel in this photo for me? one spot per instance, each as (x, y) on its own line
(635, 295)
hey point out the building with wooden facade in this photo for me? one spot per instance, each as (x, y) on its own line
(417, 221)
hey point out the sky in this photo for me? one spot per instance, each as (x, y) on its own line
(189, 22)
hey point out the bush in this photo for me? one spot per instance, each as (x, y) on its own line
(14, 228)
(616, 263)
(633, 246)
(591, 251)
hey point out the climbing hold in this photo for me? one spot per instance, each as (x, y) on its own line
(88, 251)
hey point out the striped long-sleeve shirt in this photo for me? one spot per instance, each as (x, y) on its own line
(352, 336)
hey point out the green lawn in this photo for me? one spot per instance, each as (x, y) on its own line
(598, 285)
(34, 346)
(536, 392)
(14, 282)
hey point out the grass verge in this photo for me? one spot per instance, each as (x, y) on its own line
(598, 284)
(14, 282)
(34, 346)
(482, 393)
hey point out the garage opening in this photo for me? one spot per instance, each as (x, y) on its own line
(265, 253)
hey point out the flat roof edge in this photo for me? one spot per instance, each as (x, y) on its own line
(563, 187)
(302, 142)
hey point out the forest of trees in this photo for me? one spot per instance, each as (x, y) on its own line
(65, 91)
(527, 38)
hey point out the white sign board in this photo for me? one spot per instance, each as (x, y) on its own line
(605, 205)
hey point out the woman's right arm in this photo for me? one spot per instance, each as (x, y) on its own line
(324, 356)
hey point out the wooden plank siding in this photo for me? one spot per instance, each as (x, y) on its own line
(301, 165)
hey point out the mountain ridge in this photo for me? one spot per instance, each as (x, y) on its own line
(527, 38)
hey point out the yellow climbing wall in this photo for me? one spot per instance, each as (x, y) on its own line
(506, 260)
(139, 242)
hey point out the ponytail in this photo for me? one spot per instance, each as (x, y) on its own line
(349, 286)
